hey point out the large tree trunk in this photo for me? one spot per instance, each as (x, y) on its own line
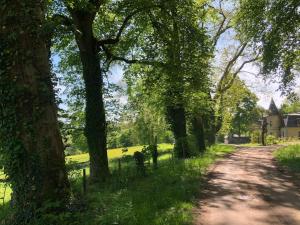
(29, 135)
(198, 132)
(95, 127)
(177, 119)
(263, 131)
(214, 122)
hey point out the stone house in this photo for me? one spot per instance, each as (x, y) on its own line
(282, 125)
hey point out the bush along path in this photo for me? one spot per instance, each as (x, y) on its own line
(248, 188)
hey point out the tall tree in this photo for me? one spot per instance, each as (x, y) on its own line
(82, 17)
(94, 29)
(240, 109)
(29, 136)
(175, 46)
(231, 57)
(291, 103)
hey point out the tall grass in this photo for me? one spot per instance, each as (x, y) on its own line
(289, 157)
(165, 196)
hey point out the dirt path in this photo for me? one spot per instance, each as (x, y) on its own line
(248, 189)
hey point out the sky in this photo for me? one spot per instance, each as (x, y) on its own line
(265, 89)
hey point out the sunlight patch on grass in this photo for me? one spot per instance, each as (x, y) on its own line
(250, 145)
(5, 192)
(116, 153)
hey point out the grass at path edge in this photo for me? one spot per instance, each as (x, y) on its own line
(166, 196)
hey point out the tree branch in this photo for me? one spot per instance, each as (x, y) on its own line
(229, 84)
(222, 27)
(111, 57)
(63, 19)
(229, 65)
(66, 21)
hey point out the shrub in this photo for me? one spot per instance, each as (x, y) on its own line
(72, 151)
(270, 140)
(220, 138)
(255, 137)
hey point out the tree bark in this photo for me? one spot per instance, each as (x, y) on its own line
(29, 133)
(177, 119)
(263, 131)
(198, 131)
(95, 127)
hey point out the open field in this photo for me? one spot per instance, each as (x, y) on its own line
(116, 153)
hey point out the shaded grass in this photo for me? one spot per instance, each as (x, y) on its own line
(289, 157)
(166, 196)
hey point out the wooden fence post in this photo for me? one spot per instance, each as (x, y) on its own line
(84, 181)
(119, 166)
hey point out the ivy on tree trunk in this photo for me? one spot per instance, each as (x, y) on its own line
(29, 135)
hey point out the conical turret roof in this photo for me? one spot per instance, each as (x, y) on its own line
(273, 110)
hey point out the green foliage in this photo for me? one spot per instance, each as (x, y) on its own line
(271, 140)
(289, 157)
(273, 26)
(255, 137)
(291, 104)
(175, 52)
(240, 109)
(245, 115)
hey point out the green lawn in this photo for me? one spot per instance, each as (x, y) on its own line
(166, 196)
(289, 157)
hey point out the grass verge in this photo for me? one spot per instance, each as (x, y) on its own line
(289, 157)
(165, 196)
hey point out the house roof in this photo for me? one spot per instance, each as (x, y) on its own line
(292, 120)
(273, 110)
